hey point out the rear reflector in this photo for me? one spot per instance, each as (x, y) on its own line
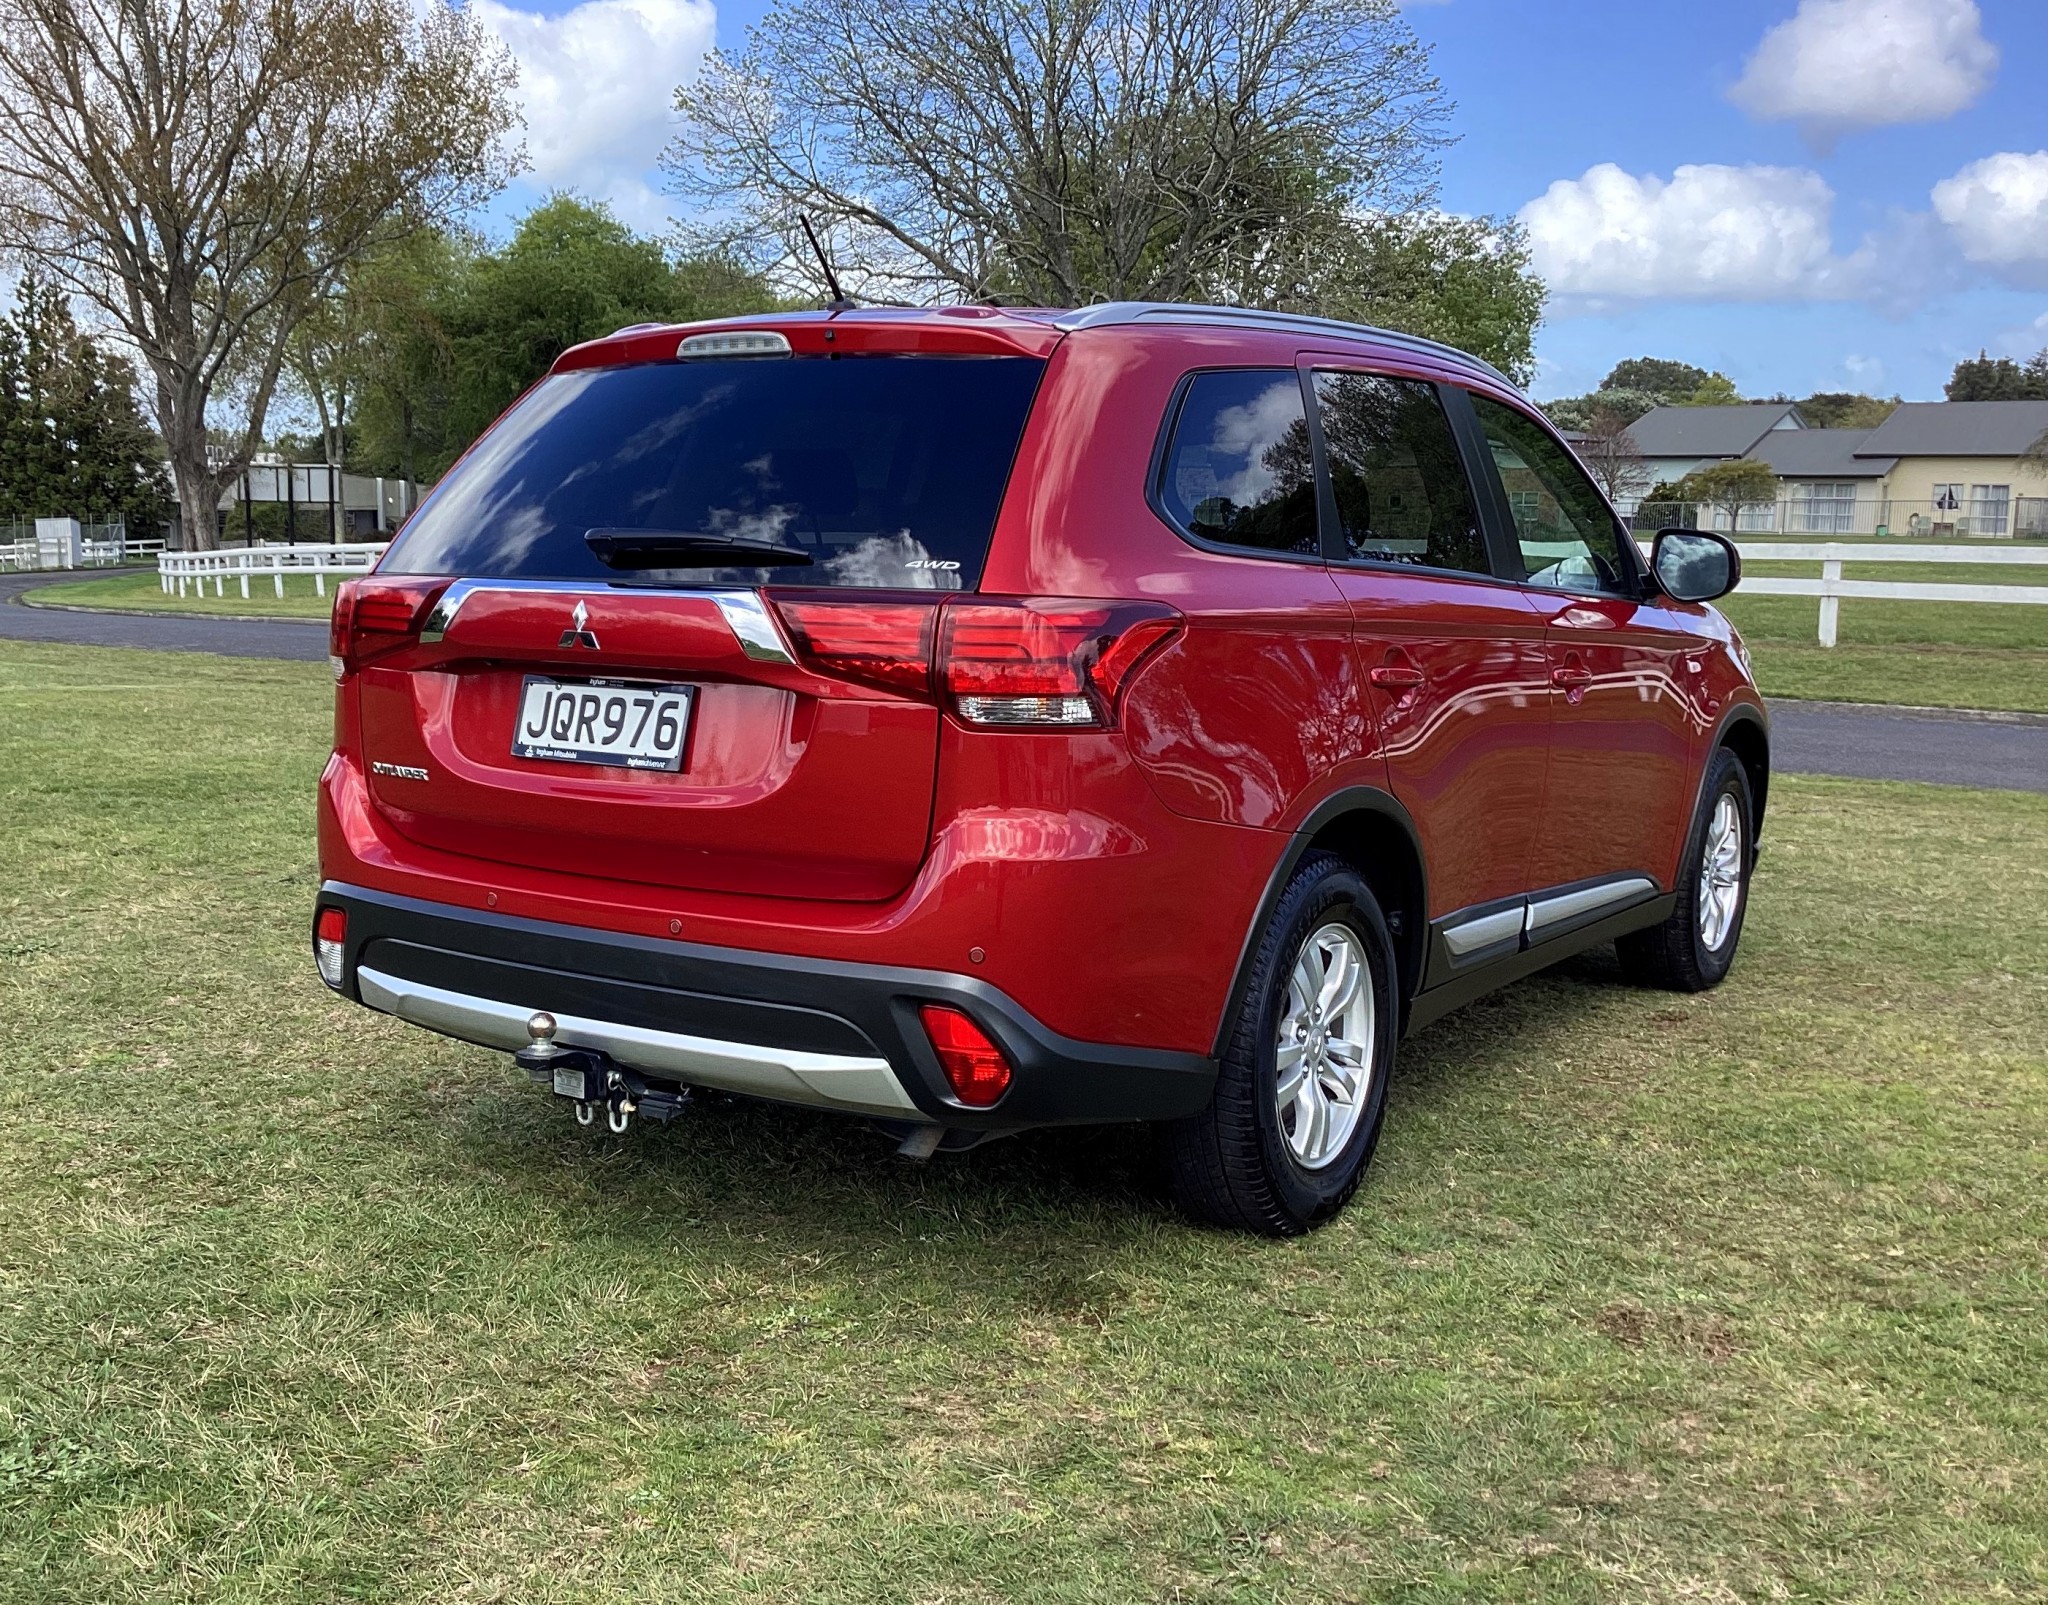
(330, 937)
(974, 1065)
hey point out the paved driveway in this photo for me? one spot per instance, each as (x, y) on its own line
(1816, 738)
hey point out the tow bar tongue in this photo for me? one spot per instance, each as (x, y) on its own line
(593, 1080)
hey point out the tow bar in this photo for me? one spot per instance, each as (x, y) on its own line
(592, 1080)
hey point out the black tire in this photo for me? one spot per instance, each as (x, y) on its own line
(1675, 955)
(1232, 1165)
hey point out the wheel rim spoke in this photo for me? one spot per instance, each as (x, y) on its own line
(1324, 1056)
(1720, 884)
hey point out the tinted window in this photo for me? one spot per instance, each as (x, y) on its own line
(1569, 538)
(1239, 469)
(1394, 466)
(884, 470)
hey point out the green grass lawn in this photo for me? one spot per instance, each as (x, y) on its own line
(1647, 1298)
(144, 591)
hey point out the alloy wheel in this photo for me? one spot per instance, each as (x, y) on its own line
(1326, 1046)
(1721, 873)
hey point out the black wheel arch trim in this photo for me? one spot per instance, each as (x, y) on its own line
(1413, 937)
(1755, 718)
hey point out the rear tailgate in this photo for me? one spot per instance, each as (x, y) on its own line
(778, 765)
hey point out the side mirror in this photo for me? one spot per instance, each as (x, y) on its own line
(1694, 565)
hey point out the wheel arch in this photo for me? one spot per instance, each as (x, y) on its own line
(1370, 830)
(1743, 732)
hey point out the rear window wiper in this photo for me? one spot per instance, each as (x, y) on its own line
(676, 548)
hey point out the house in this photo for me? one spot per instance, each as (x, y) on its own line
(1828, 482)
(1674, 441)
(1962, 468)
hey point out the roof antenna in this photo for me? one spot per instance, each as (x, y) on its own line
(839, 302)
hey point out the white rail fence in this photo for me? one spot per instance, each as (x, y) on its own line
(1831, 588)
(176, 570)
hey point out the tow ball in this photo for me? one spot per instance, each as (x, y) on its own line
(593, 1080)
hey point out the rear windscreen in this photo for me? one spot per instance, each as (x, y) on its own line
(882, 471)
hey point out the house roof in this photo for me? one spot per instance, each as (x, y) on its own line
(1707, 431)
(1819, 454)
(1959, 429)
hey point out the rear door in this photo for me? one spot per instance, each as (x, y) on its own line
(1454, 654)
(1626, 698)
(859, 490)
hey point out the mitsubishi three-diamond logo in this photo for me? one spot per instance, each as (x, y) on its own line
(578, 633)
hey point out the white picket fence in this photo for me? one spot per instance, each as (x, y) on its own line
(176, 570)
(1831, 588)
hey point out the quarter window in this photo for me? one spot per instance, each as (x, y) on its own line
(1239, 470)
(1394, 466)
(1570, 539)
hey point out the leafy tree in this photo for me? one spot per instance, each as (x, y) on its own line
(72, 441)
(1988, 378)
(1842, 409)
(1670, 382)
(1716, 390)
(1578, 413)
(458, 331)
(203, 169)
(1276, 153)
(1729, 486)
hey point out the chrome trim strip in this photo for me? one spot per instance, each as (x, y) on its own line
(1469, 936)
(749, 619)
(789, 1075)
(1555, 910)
(746, 615)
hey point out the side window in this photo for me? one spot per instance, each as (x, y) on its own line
(1394, 466)
(1569, 538)
(1238, 469)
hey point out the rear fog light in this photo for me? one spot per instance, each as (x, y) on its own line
(974, 1065)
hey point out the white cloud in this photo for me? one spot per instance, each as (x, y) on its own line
(1843, 64)
(597, 84)
(1997, 210)
(1706, 233)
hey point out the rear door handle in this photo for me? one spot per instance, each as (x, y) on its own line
(1568, 678)
(1398, 677)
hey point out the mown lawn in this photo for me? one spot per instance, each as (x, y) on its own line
(144, 592)
(1647, 1298)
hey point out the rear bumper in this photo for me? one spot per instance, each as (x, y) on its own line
(801, 1030)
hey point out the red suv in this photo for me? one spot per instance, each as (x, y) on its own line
(975, 720)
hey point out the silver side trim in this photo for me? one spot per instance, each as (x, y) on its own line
(1547, 911)
(1469, 936)
(789, 1075)
(745, 614)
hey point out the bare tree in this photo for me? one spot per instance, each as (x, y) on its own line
(201, 170)
(1611, 455)
(1060, 153)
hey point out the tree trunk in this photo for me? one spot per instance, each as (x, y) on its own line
(198, 504)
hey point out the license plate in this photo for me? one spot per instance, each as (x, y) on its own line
(621, 723)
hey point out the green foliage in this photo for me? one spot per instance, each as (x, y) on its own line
(463, 330)
(72, 441)
(1739, 483)
(1987, 378)
(1463, 280)
(1843, 409)
(1716, 390)
(1672, 383)
(1582, 413)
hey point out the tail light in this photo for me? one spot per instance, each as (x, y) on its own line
(1001, 664)
(974, 1066)
(330, 939)
(1046, 663)
(873, 642)
(374, 615)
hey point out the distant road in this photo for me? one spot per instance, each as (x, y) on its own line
(305, 640)
(1814, 738)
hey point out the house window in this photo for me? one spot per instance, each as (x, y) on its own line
(1824, 508)
(1947, 504)
(1989, 508)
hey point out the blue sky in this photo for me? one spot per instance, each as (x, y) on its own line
(1805, 194)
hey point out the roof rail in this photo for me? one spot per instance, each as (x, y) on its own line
(1110, 313)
